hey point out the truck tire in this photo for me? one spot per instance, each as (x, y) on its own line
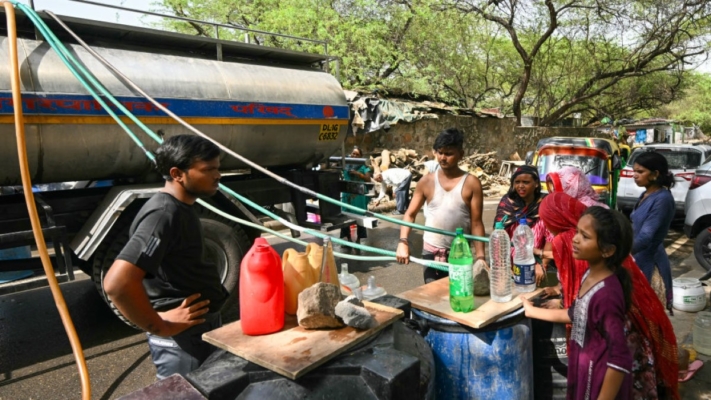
(225, 245)
(702, 248)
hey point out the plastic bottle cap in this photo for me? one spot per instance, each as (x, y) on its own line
(459, 231)
(499, 225)
(523, 221)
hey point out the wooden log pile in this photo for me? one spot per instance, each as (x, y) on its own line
(484, 166)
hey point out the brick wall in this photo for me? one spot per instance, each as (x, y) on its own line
(480, 135)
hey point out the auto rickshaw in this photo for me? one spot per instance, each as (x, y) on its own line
(601, 168)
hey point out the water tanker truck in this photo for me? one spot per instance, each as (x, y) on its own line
(276, 107)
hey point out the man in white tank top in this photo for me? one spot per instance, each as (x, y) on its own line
(454, 200)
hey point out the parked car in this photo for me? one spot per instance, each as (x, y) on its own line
(683, 160)
(698, 213)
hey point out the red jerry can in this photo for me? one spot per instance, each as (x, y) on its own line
(261, 290)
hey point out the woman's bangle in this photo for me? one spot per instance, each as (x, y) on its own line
(404, 240)
(481, 258)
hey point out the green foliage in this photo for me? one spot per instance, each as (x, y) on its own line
(695, 106)
(413, 48)
(548, 59)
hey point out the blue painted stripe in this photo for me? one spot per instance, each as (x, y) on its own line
(85, 105)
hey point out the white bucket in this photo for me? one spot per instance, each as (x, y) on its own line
(689, 295)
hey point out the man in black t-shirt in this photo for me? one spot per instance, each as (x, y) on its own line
(160, 281)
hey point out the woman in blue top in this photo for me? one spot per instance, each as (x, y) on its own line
(651, 218)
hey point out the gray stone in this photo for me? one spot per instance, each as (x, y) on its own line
(317, 306)
(481, 279)
(354, 300)
(355, 316)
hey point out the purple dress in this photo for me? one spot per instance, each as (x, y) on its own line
(598, 341)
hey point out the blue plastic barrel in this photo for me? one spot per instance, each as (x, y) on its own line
(494, 362)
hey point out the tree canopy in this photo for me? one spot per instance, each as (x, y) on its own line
(550, 59)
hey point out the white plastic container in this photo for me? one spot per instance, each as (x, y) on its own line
(347, 280)
(372, 291)
(689, 295)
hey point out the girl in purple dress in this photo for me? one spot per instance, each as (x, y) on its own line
(599, 360)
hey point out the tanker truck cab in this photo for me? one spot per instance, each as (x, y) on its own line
(270, 105)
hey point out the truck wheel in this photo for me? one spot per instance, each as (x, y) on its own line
(104, 257)
(702, 248)
(225, 245)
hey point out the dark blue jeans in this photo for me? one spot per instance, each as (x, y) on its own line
(184, 352)
(402, 195)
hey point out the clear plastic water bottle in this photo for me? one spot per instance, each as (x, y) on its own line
(524, 263)
(461, 276)
(500, 264)
(347, 279)
(372, 290)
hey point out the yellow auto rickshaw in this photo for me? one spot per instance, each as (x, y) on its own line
(600, 161)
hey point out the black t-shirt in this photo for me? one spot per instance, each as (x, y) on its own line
(166, 242)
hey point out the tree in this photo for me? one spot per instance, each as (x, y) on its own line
(611, 41)
(695, 106)
(399, 46)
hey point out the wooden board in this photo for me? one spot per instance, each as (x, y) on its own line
(294, 351)
(434, 298)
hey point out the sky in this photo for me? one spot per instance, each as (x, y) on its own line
(75, 9)
(72, 8)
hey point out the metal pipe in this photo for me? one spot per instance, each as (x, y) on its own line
(218, 45)
(348, 160)
(195, 20)
(324, 262)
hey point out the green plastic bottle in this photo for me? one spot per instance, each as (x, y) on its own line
(461, 279)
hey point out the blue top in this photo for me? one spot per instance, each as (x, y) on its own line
(651, 219)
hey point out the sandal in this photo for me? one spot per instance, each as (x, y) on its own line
(688, 374)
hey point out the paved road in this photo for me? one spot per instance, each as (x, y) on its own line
(36, 360)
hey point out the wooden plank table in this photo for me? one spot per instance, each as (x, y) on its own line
(294, 351)
(434, 299)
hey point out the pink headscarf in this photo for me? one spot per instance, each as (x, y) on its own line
(575, 184)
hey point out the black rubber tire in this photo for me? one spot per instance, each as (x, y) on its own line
(702, 248)
(225, 245)
(105, 255)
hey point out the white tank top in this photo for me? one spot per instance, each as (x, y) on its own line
(447, 211)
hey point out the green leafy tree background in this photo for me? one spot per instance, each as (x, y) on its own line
(549, 59)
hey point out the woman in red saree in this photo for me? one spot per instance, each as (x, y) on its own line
(650, 332)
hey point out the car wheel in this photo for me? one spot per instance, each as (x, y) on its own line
(702, 248)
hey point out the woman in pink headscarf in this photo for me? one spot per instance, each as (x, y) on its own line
(575, 184)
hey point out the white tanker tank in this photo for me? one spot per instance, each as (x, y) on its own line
(276, 107)
(276, 115)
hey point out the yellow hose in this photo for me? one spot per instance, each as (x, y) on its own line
(30, 200)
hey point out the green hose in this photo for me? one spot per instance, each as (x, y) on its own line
(269, 173)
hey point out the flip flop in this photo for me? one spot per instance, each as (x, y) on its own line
(693, 367)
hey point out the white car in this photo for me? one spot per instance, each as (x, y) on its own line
(698, 214)
(683, 160)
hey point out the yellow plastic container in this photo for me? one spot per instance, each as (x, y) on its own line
(315, 253)
(298, 275)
